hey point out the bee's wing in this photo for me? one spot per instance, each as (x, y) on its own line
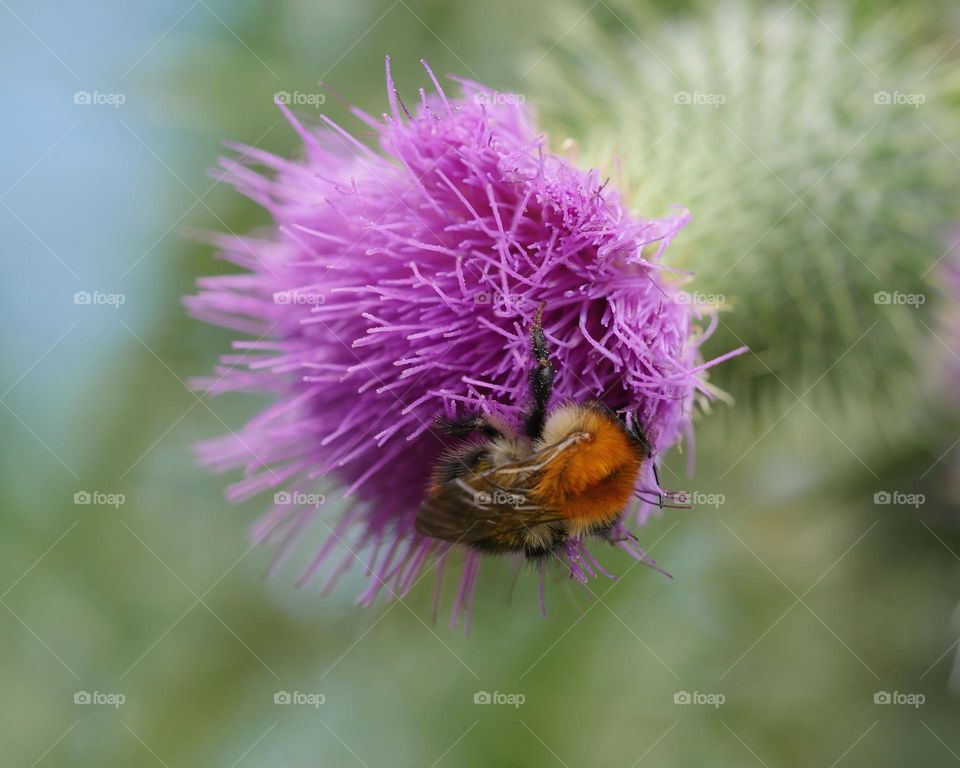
(492, 502)
(449, 514)
(480, 507)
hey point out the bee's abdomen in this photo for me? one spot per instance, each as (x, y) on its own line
(602, 503)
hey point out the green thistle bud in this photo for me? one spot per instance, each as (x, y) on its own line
(818, 155)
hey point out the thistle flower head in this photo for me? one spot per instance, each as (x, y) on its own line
(399, 285)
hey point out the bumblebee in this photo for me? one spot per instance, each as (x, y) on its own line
(569, 473)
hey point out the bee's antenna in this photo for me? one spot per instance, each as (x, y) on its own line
(538, 315)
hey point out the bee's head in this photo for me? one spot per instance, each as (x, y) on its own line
(630, 423)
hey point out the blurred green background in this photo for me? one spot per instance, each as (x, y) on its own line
(797, 599)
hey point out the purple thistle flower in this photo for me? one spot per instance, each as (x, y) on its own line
(398, 286)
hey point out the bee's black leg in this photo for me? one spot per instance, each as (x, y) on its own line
(639, 435)
(541, 380)
(468, 425)
(656, 476)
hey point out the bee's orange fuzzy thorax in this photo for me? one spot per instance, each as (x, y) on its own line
(593, 478)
